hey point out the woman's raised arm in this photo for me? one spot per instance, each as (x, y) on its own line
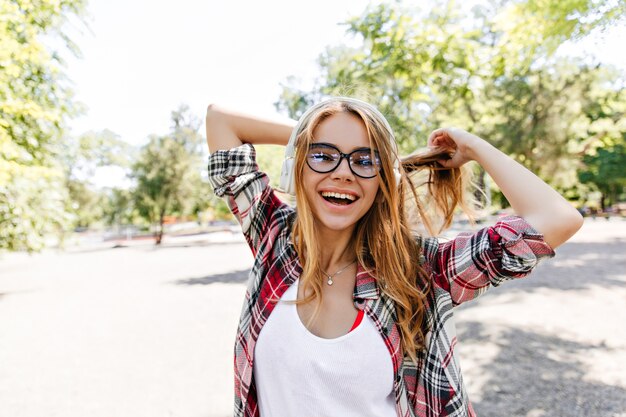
(530, 197)
(226, 129)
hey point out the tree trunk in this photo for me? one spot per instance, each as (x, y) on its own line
(612, 195)
(603, 201)
(159, 235)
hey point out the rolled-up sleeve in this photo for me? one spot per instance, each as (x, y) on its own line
(235, 177)
(472, 262)
(233, 170)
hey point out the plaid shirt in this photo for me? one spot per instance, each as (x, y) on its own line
(461, 270)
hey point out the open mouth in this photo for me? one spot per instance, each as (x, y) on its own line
(339, 198)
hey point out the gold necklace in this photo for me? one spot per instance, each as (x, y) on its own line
(330, 277)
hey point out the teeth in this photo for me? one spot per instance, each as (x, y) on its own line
(338, 195)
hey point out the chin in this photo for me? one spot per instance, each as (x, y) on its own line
(336, 225)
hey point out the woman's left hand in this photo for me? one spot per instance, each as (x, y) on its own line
(547, 211)
(460, 143)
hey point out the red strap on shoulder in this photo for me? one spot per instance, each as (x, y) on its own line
(357, 321)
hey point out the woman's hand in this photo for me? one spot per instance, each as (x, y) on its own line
(458, 142)
(529, 196)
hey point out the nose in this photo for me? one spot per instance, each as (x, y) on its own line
(343, 169)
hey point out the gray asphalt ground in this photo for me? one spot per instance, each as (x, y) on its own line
(139, 331)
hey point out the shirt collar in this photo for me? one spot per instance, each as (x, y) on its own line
(366, 286)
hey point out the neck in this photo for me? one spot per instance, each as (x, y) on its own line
(337, 249)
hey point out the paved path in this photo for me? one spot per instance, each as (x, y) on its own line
(144, 332)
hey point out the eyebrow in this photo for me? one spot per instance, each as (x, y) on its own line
(330, 145)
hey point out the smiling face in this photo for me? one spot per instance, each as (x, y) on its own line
(339, 198)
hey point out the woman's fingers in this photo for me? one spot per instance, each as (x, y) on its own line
(435, 137)
(444, 138)
(441, 138)
(457, 142)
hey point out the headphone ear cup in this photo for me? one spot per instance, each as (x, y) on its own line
(396, 172)
(287, 180)
(398, 176)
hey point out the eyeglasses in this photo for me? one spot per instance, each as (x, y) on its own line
(324, 158)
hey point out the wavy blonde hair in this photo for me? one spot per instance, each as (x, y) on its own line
(383, 241)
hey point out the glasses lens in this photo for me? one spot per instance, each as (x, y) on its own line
(322, 158)
(365, 163)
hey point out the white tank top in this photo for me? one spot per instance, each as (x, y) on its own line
(299, 374)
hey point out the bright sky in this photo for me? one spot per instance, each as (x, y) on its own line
(144, 58)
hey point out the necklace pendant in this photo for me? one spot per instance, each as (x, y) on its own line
(330, 280)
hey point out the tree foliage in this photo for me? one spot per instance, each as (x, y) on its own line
(492, 70)
(605, 169)
(118, 208)
(167, 173)
(35, 101)
(80, 157)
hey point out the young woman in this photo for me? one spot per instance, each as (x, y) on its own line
(348, 311)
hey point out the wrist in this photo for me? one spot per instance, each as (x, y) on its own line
(476, 148)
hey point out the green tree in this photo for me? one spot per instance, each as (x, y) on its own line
(167, 173)
(530, 29)
(486, 71)
(118, 207)
(540, 118)
(80, 157)
(604, 169)
(35, 102)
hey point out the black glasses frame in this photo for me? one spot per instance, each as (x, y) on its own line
(342, 156)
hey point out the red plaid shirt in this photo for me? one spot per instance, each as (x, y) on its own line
(461, 269)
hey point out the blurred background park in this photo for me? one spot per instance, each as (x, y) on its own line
(120, 278)
(89, 141)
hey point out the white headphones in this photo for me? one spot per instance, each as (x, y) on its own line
(287, 173)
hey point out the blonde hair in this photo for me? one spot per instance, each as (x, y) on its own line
(384, 242)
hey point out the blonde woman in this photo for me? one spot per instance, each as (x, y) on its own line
(349, 312)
